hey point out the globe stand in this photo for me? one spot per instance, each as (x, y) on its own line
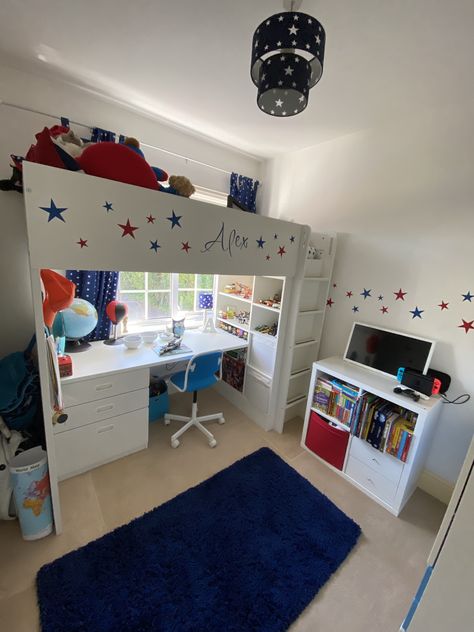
(115, 340)
(77, 346)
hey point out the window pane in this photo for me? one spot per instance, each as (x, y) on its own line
(186, 280)
(205, 281)
(186, 300)
(159, 280)
(132, 280)
(159, 305)
(136, 305)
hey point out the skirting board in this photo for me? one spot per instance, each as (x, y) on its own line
(436, 486)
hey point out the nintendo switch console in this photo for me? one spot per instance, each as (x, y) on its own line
(426, 385)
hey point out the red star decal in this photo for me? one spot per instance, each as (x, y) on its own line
(400, 295)
(443, 305)
(150, 219)
(349, 294)
(185, 246)
(384, 309)
(281, 251)
(82, 243)
(467, 324)
(268, 257)
(329, 302)
(128, 229)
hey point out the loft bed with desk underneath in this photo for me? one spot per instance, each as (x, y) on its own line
(82, 222)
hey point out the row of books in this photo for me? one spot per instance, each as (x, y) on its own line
(336, 399)
(400, 438)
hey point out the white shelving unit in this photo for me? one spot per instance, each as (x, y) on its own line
(386, 479)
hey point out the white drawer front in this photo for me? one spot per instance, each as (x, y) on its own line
(381, 463)
(76, 393)
(257, 389)
(84, 448)
(91, 412)
(372, 481)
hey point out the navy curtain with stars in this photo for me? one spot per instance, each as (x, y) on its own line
(244, 190)
(99, 288)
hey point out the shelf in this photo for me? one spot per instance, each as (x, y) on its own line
(295, 374)
(236, 297)
(233, 322)
(296, 400)
(334, 420)
(310, 311)
(267, 336)
(270, 309)
(305, 343)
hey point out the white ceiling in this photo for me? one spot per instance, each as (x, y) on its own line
(188, 61)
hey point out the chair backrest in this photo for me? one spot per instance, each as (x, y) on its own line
(201, 370)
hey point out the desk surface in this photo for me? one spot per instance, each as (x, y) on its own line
(102, 359)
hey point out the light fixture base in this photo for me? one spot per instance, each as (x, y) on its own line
(292, 5)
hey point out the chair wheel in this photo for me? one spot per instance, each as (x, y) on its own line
(167, 422)
(212, 443)
(174, 443)
(221, 420)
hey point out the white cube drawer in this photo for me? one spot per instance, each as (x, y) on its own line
(371, 480)
(76, 393)
(257, 389)
(91, 412)
(382, 463)
(84, 448)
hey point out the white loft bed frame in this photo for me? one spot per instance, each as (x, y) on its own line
(221, 240)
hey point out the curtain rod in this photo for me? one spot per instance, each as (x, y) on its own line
(89, 127)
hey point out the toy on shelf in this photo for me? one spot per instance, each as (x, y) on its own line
(243, 317)
(274, 302)
(235, 331)
(238, 289)
(270, 330)
(314, 253)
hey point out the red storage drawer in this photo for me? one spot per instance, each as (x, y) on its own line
(327, 442)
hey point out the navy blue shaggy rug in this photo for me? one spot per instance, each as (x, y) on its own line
(244, 551)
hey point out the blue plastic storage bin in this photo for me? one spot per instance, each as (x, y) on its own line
(159, 405)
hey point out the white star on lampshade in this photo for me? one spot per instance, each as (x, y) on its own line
(294, 43)
(272, 111)
(301, 99)
(283, 113)
(295, 17)
(294, 84)
(310, 21)
(266, 47)
(293, 30)
(280, 83)
(278, 43)
(282, 58)
(297, 60)
(267, 22)
(280, 19)
(279, 103)
(318, 39)
(308, 46)
(289, 70)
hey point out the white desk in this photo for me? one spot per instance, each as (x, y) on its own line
(106, 399)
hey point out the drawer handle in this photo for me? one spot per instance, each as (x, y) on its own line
(102, 409)
(105, 428)
(103, 387)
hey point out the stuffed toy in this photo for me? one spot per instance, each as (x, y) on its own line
(179, 185)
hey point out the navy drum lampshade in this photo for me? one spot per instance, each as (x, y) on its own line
(287, 60)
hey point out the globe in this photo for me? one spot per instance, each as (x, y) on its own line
(77, 320)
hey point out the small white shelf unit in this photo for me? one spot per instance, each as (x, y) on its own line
(386, 479)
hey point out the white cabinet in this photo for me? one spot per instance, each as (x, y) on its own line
(335, 436)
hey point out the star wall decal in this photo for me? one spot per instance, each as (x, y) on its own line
(128, 229)
(417, 313)
(260, 242)
(329, 302)
(281, 251)
(107, 206)
(275, 236)
(82, 243)
(154, 245)
(150, 219)
(355, 309)
(54, 211)
(380, 297)
(366, 293)
(174, 219)
(443, 305)
(268, 257)
(292, 239)
(467, 297)
(400, 295)
(384, 309)
(185, 246)
(349, 294)
(467, 325)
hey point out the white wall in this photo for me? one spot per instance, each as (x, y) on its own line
(401, 198)
(17, 130)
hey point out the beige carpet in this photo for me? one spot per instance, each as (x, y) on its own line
(371, 592)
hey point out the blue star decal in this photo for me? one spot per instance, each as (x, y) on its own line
(174, 219)
(366, 293)
(54, 211)
(260, 242)
(275, 236)
(417, 313)
(380, 297)
(292, 239)
(154, 245)
(467, 297)
(108, 206)
(355, 309)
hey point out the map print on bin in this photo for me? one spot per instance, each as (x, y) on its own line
(36, 494)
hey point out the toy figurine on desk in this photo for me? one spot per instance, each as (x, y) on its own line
(171, 346)
(116, 311)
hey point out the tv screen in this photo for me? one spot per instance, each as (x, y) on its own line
(387, 351)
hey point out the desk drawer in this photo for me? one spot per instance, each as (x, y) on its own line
(76, 393)
(91, 412)
(381, 463)
(84, 448)
(370, 480)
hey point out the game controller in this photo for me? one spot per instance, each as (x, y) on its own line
(408, 392)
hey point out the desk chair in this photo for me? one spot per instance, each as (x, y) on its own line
(199, 374)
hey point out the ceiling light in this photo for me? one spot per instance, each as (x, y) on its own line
(287, 60)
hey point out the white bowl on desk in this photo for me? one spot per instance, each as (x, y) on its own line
(132, 341)
(149, 337)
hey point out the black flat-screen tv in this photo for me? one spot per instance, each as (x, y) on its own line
(386, 351)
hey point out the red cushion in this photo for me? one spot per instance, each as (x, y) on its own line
(117, 162)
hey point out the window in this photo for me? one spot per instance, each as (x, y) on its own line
(159, 295)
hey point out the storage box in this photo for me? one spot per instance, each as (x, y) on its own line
(158, 406)
(327, 442)
(233, 370)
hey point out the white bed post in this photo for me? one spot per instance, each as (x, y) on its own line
(46, 396)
